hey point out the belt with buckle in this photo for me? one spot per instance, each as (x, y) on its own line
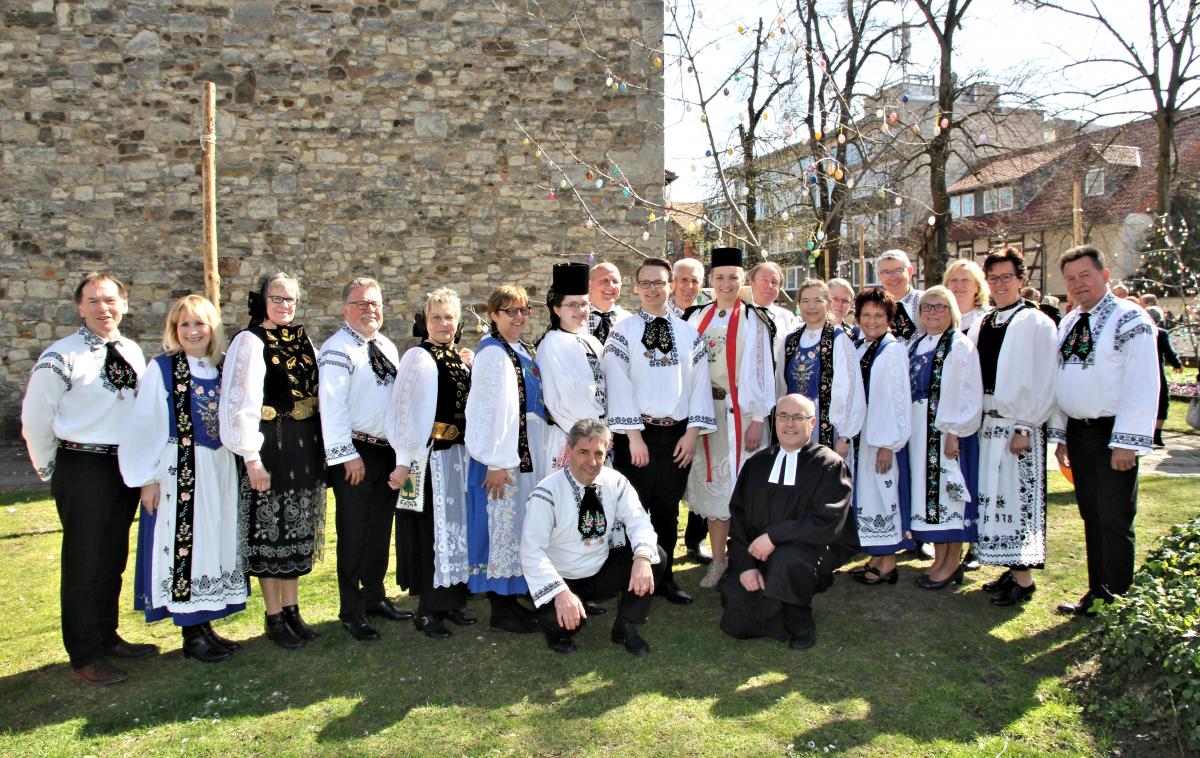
(445, 432)
(718, 393)
(659, 421)
(370, 439)
(1093, 421)
(88, 447)
(304, 408)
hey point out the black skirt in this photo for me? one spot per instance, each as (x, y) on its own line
(284, 527)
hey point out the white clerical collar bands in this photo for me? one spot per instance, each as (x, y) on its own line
(785, 464)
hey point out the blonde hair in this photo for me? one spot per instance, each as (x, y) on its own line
(444, 296)
(982, 291)
(945, 294)
(201, 308)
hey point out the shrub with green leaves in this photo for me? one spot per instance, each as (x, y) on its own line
(1150, 640)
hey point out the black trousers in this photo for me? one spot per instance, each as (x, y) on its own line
(659, 484)
(791, 575)
(363, 520)
(1107, 504)
(96, 510)
(613, 577)
(695, 531)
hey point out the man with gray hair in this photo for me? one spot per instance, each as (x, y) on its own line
(566, 555)
(894, 270)
(357, 376)
(689, 281)
(766, 279)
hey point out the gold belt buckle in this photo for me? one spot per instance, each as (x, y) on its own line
(269, 413)
(718, 393)
(444, 432)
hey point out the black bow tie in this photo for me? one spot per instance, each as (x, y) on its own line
(658, 336)
(592, 522)
(603, 325)
(1079, 342)
(380, 364)
(120, 374)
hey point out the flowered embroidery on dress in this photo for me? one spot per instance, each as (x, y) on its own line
(656, 357)
(90, 338)
(624, 420)
(699, 350)
(45, 472)
(935, 512)
(358, 340)
(185, 477)
(714, 343)
(450, 562)
(206, 406)
(504, 538)
(707, 421)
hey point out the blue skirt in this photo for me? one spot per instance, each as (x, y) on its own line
(479, 546)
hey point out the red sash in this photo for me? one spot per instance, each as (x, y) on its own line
(731, 370)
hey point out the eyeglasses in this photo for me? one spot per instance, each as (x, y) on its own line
(281, 299)
(513, 312)
(1001, 278)
(655, 285)
(934, 308)
(366, 305)
(892, 272)
(442, 319)
(574, 306)
(790, 417)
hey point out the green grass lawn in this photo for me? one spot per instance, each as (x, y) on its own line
(896, 671)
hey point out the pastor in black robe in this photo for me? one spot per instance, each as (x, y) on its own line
(800, 500)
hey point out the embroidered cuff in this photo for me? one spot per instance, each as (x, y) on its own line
(1136, 442)
(547, 593)
(625, 422)
(1054, 434)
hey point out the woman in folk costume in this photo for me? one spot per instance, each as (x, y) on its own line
(818, 361)
(943, 449)
(269, 417)
(882, 506)
(189, 566)
(743, 386)
(966, 282)
(1018, 355)
(506, 439)
(426, 423)
(569, 359)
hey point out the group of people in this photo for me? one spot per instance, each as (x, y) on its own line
(548, 475)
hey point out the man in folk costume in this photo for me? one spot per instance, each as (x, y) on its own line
(357, 368)
(604, 287)
(743, 389)
(789, 504)
(765, 280)
(566, 555)
(1017, 346)
(80, 393)
(894, 270)
(686, 297)
(1106, 387)
(659, 402)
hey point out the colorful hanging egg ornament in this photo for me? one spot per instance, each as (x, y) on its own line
(784, 216)
(838, 174)
(537, 153)
(841, 138)
(657, 62)
(599, 184)
(590, 176)
(945, 122)
(933, 220)
(729, 151)
(562, 184)
(653, 218)
(608, 82)
(708, 153)
(899, 201)
(550, 195)
(817, 135)
(829, 169)
(622, 87)
(625, 191)
(904, 98)
(893, 116)
(645, 236)
(589, 224)
(741, 29)
(525, 141)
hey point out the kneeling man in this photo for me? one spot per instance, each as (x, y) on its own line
(565, 551)
(787, 507)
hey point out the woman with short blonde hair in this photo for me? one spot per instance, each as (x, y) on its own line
(965, 280)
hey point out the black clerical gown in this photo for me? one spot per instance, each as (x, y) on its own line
(801, 501)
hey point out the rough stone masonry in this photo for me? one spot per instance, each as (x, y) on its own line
(353, 139)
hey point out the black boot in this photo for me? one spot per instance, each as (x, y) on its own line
(218, 640)
(800, 627)
(291, 614)
(196, 644)
(281, 634)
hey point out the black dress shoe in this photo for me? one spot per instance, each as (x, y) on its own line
(459, 616)
(672, 594)
(360, 630)
(281, 634)
(388, 609)
(803, 639)
(1001, 583)
(563, 644)
(123, 649)
(1088, 605)
(291, 614)
(625, 633)
(197, 645)
(100, 673)
(431, 626)
(218, 640)
(592, 608)
(1014, 594)
(873, 576)
(860, 570)
(513, 622)
(925, 583)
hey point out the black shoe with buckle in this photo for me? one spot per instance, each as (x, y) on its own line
(625, 633)
(359, 629)
(389, 610)
(431, 626)
(123, 649)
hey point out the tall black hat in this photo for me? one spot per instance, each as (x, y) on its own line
(570, 279)
(727, 256)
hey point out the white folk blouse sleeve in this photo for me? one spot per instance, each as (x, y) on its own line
(493, 406)
(545, 582)
(847, 406)
(638, 530)
(145, 436)
(334, 389)
(756, 377)
(242, 386)
(410, 414)
(701, 412)
(569, 389)
(1137, 403)
(47, 384)
(1025, 370)
(960, 407)
(888, 418)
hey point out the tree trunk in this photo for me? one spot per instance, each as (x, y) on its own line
(1165, 120)
(937, 239)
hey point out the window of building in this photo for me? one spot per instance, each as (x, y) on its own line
(998, 199)
(1093, 182)
(968, 205)
(956, 207)
(792, 277)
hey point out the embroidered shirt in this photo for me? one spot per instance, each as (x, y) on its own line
(353, 397)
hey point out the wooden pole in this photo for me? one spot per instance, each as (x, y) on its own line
(208, 178)
(1077, 212)
(862, 257)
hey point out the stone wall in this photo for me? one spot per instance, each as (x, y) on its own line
(353, 139)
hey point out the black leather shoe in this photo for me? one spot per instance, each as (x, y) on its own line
(291, 614)
(672, 594)
(513, 622)
(218, 640)
(925, 583)
(1088, 605)
(803, 639)
(388, 609)
(873, 576)
(563, 644)
(431, 626)
(197, 645)
(1001, 583)
(100, 673)
(860, 570)
(279, 632)
(625, 633)
(459, 616)
(592, 608)
(123, 649)
(696, 556)
(360, 630)
(1014, 594)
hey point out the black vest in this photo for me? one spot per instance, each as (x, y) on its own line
(454, 382)
(291, 366)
